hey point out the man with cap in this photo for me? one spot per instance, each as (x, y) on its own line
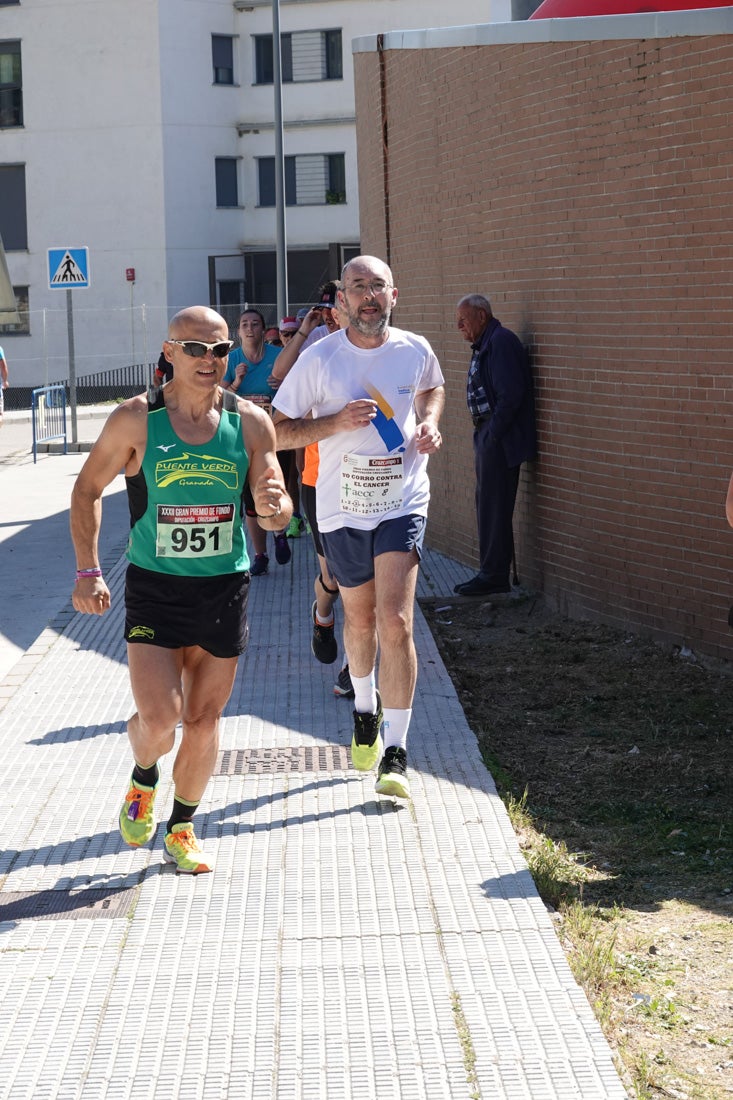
(288, 329)
(312, 325)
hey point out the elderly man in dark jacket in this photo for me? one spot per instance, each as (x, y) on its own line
(501, 404)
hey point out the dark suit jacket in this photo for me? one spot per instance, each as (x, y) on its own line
(507, 381)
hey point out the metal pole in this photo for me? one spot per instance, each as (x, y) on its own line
(72, 365)
(280, 239)
(144, 318)
(132, 319)
(45, 344)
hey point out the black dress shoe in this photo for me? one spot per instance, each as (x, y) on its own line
(477, 587)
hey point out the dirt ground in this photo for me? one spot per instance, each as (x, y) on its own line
(615, 756)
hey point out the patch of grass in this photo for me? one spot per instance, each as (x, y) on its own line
(593, 938)
(469, 1053)
(614, 758)
(556, 874)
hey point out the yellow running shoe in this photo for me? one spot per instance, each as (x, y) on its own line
(392, 777)
(137, 817)
(183, 849)
(365, 742)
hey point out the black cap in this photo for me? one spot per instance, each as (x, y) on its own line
(328, 299)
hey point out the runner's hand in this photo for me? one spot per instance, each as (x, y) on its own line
(428, 438)
(91, 596)
(268, 494)
(357, 414)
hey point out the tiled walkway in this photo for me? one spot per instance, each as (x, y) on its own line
(346, 946)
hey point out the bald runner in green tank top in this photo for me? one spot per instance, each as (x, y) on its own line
(186, 501)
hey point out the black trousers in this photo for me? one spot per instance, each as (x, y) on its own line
(496, 493)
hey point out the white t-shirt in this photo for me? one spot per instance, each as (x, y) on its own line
(372, 473)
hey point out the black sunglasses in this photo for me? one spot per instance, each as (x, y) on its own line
(197, 349)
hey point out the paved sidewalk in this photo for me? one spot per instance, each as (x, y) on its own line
(35, 552)
(346, 946)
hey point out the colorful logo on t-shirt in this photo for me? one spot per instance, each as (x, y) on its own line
(187, 469)
(384, 421)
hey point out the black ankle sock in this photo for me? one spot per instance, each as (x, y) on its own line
(182, 811)
(148, 777)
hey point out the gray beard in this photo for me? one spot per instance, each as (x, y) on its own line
(370, 328)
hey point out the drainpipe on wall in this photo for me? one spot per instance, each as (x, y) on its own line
(385, 145)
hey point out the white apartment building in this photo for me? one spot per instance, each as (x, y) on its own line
(143, 132)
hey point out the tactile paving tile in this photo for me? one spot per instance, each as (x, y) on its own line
(305, 758)
(65, 904)
(346, 945)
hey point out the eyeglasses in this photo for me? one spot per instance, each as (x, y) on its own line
(377, 286)
(197, 349)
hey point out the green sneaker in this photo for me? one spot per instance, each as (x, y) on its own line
(365, 742)
(392, 777)
(296, 527)
(137, 819)
(183, 849)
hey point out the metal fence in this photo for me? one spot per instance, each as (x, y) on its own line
(49, 416)
(93, 389)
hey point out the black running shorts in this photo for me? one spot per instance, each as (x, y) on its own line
(308, 504)
(173, 612)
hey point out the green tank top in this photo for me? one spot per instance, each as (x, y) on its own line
(186, 502)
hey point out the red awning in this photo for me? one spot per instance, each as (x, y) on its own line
(563, 9)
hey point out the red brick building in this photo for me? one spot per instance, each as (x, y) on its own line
(580, 174)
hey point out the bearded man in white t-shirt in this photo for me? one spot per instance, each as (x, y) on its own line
(371, 396)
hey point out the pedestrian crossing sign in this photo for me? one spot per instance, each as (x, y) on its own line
(68, 268)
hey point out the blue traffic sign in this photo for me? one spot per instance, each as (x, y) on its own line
(68, 268)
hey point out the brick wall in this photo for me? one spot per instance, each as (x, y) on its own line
(585, 188)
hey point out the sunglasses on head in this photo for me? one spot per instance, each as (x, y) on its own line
(197, 349)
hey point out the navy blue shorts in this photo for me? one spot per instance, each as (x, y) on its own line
(174, 612)
(350, 553)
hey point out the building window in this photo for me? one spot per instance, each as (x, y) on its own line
(23, 327)
(266, 172)
(227, 189)
(11, 85)
(231, 293)
(308, 269)
(306, 55)
(222, 57)
(311, 179)
(336, 175)
(13, 221)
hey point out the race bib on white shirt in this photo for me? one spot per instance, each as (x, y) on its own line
(371, 486)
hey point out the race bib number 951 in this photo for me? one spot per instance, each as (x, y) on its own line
(194, 531)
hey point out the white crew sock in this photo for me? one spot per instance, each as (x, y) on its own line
(394, 730)
(365, 693)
